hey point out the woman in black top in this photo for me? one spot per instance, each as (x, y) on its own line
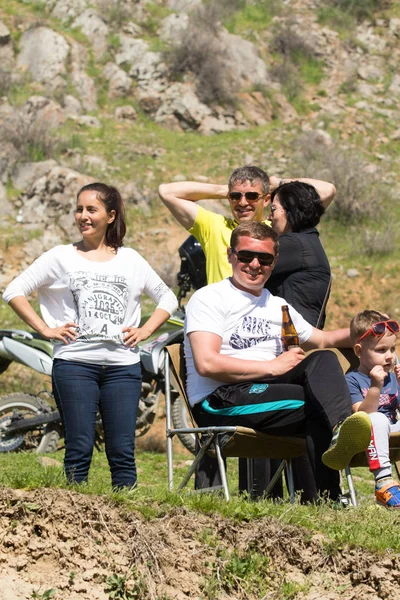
(302, 273)
(302, 277)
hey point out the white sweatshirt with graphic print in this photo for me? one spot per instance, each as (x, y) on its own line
(100, 297)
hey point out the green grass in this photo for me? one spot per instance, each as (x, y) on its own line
(311, 70)
(253, 17)
(152, 500)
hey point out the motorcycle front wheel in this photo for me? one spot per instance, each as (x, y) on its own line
(181, 420)
(41, 439)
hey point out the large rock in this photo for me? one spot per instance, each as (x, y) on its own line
(72, 106)
(173, 27)
(214, 124)
(131, 50)
(394, 87)
(26, 173)
(182, 108)
(184, 6)
(43, 111)
(5, 206)
(85, 86)
(125, 112)
(65, 10)
(93, 26)
(5, 35)
(150, 72)
(44, 54)
(243, 60)
(52, 198)
(120, 84)
(257, 108)
(132, 195)
(374, 44)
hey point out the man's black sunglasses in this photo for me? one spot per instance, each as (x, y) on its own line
(247, 256)
(250, 196)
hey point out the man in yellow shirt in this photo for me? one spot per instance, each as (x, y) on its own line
(248, 191)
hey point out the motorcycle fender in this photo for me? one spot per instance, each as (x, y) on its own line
(26, 355)
(152, 354)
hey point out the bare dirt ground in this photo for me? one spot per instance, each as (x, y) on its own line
(72, 543)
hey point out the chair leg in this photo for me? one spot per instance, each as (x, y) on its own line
(290, 480)
(170, 464)
(350, 485)
(168, 422)
(250, 477)
(274, 479)
(397, 468)
(222, 471)
(197, 459)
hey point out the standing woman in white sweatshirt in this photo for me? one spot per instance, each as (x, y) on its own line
(89, 294)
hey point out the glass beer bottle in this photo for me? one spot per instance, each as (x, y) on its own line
(290, 339)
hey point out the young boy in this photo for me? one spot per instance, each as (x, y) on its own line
(374, 389)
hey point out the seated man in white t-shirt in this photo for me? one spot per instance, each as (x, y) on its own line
(238, 374)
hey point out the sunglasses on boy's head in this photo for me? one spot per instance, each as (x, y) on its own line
(247, 256)
(379, 328)
(250, 196)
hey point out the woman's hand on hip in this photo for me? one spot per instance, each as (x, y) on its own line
(65, 333)
(134, 335)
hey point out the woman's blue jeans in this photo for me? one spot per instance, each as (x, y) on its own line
(81, 390)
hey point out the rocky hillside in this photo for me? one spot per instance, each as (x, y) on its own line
(136, 92)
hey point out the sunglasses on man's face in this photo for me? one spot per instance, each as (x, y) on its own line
(250, 196)
(379, 328)
(247, 256)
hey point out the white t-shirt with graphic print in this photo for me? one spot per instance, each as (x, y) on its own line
(250, 327)
(100, 297)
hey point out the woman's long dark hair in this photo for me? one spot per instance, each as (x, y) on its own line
(112, 200)
(302, 204)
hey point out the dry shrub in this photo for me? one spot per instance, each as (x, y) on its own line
(358, 192)
(32, 139)
(199, 51)
(378, 243)
(5, 81)
(292, 49)
(289, 44)
(115, 12)
(287, 74)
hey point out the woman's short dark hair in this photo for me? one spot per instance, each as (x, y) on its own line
(112, 200)
(302, 204)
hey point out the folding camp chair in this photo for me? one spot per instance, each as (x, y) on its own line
(225, 441)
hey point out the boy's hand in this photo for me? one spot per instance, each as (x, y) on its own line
(397, 372)
(377, 375)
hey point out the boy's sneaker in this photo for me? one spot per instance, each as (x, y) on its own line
(389, 494)
(350, 437)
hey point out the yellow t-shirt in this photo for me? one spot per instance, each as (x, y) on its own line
(213, 231)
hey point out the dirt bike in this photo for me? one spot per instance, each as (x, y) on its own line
(32, 423)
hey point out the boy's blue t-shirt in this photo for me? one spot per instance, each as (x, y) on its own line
(359, 384)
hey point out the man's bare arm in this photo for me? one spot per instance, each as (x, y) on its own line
(181, 197)
(336, 338)
(325, 189)
(210, 363)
